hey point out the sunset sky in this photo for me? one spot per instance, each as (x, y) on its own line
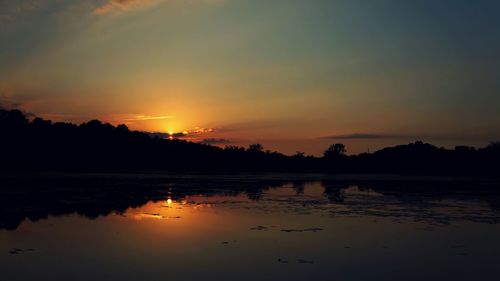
(292, 75)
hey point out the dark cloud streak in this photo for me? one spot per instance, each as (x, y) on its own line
(375, 136)
(368, 136)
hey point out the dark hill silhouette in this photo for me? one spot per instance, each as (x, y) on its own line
(40, 144)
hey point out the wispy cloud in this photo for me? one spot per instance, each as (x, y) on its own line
(8, 100)
(199, 130)
(27, 6)
(197, 134)
(194, 133)
(116, 6)
(12, 9)
(413, 136)
(147, 117)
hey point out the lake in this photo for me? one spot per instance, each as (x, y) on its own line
(248, 227)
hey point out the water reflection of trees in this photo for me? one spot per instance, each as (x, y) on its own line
(35, 198)
(334, 191)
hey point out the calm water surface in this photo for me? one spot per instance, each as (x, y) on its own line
(248, 228)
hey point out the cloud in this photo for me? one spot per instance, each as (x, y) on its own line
(414, 136)
(199, 130)
(12, 9)
(147, 117)
(194, 133)
(178, 134)
(21, 6)
(7, 100)
(116, 6)
(157, 134)
(29, 6)
(191, 135)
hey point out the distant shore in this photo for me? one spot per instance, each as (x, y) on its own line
(41, 145)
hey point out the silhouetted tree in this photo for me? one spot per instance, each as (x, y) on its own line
(494, 146)
(335, 150)
(299, 154)
(122, 128)
(256, 147)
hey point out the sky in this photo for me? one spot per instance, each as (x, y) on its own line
(293, 75)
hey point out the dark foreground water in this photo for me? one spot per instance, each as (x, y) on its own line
(273, 227)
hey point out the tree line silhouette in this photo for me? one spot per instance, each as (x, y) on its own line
(40, 144)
